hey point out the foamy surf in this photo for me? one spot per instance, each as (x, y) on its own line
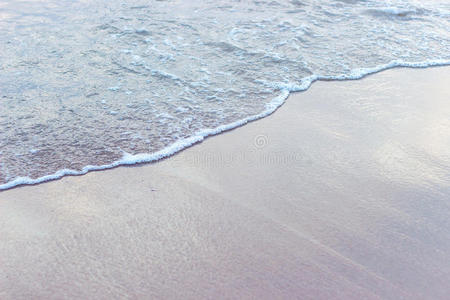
(305, 83)
(79, 89)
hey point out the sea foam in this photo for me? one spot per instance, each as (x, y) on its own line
(131, 159)
(92, 91)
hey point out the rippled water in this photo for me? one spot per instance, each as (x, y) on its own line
(93, 83)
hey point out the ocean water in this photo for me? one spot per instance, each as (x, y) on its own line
(88, 85)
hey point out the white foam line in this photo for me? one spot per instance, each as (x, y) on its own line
(272, 106)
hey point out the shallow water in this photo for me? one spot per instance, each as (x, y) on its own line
(92, 83)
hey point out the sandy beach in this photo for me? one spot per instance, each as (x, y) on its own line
(343, 193)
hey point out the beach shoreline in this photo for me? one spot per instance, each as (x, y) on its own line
(128, 159)
(341, 193)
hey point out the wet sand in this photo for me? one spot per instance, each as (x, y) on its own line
(343, 193)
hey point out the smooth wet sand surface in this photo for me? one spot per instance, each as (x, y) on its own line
(343, 193)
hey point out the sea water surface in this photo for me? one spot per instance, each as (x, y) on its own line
(88, 85)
